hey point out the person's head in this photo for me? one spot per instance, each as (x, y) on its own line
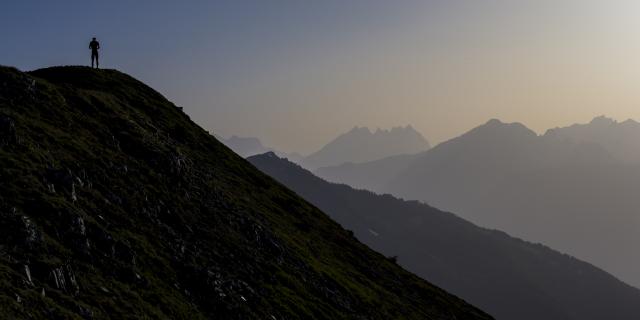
(94, 38)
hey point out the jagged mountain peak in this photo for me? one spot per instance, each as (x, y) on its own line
(361, 145)
(600, 124)
(620, 139)
(498, 127)
(359, 129)
(603, 120)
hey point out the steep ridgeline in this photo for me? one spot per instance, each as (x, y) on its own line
(362, 145)
(507, 277)
(113, 204)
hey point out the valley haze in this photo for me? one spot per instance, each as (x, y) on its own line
(572, 188)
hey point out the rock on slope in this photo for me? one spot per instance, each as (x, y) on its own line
(507, 277)
(113, 204)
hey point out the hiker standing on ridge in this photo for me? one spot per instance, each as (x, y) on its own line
(94, 45)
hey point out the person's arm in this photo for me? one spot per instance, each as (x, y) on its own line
(98, 45)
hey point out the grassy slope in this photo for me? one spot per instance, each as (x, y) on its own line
(138, 212)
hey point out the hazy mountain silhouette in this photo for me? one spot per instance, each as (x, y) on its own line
(249, 146)
(507, 277)
(573, 188)
(246, 147)
(114, 204)
(362, 145)
(621, 140)
(511, 139)
(372, 175)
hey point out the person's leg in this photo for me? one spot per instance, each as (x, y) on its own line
(97, 61)
(94, 58)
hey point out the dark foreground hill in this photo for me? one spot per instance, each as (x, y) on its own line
(507, 277)
(113, 204)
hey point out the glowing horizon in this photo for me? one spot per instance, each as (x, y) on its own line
(252, 69)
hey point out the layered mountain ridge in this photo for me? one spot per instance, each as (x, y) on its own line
(571, 188)
(362, 145)
(250, 146)
(508, 277)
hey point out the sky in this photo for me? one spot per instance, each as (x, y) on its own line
(298, 73)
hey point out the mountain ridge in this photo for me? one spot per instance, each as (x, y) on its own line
(360, 144)
(570, 188)
(527, 280)
(250, 146)
(116, 205)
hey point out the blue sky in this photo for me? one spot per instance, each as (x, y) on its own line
(318, 68)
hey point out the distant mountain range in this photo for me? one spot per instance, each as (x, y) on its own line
(249, 146)
(245, 147)
(507, 277)
(372, 175)
(362, 145)
(356, 146)
(620, 140)
(573, 188)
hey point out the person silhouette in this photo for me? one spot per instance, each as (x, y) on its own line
(94, 45)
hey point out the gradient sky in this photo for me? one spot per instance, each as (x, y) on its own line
(297, 73)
